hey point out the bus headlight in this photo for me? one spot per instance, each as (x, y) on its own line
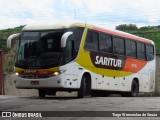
(59, 72)
(56, 73)
(17, 74)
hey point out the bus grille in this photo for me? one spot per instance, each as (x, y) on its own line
(34, 76)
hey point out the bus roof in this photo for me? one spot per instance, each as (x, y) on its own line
(51, 26)
(60, 25)
(123, 34)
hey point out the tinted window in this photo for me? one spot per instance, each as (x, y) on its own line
(130, 48)
(105, 42)
(118, 46)
(150, 52)
(69, 52)
(77, 32)
(95, 41)
(50, 41)
(141, 50)
(91, 41)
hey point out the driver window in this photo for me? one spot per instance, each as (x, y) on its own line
(69, 51)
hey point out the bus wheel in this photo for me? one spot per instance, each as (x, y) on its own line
(42, 93)
(134, 89)
(85, 88)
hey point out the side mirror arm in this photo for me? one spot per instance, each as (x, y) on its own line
(10, 38)
(64, 39)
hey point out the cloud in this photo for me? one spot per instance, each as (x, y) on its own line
(21, 12)
(114, 12)
(102, 12)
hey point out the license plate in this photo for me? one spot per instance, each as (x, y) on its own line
(34, 82)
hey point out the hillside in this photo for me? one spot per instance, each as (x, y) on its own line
(5, 33)
(9, 55)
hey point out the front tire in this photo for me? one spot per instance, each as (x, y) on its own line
(42, 93)
(85, 88)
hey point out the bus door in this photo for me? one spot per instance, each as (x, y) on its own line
(71, 68)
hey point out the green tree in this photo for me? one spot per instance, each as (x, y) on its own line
(125, 27)
(147, 28)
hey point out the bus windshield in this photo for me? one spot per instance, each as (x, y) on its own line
(38, 49)
(41, 49)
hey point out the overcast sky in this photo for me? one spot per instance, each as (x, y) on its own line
(105, 13)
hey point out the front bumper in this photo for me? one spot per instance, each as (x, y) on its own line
(52, 82)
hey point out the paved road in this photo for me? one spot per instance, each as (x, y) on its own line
(72, 104)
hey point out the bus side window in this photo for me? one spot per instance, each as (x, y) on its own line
(141, 51)
(131, 48)
(77, 33)
(149, 52)
(105, 42)
(118, 45)
(91, 42)
(95, 41)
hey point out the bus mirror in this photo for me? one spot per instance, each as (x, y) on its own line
(64, 39)
(10, 38)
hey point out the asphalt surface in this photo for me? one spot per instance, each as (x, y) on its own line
(72, 108)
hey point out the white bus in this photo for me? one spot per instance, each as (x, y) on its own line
(78, 57)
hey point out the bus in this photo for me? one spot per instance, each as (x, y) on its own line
(91, 60)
